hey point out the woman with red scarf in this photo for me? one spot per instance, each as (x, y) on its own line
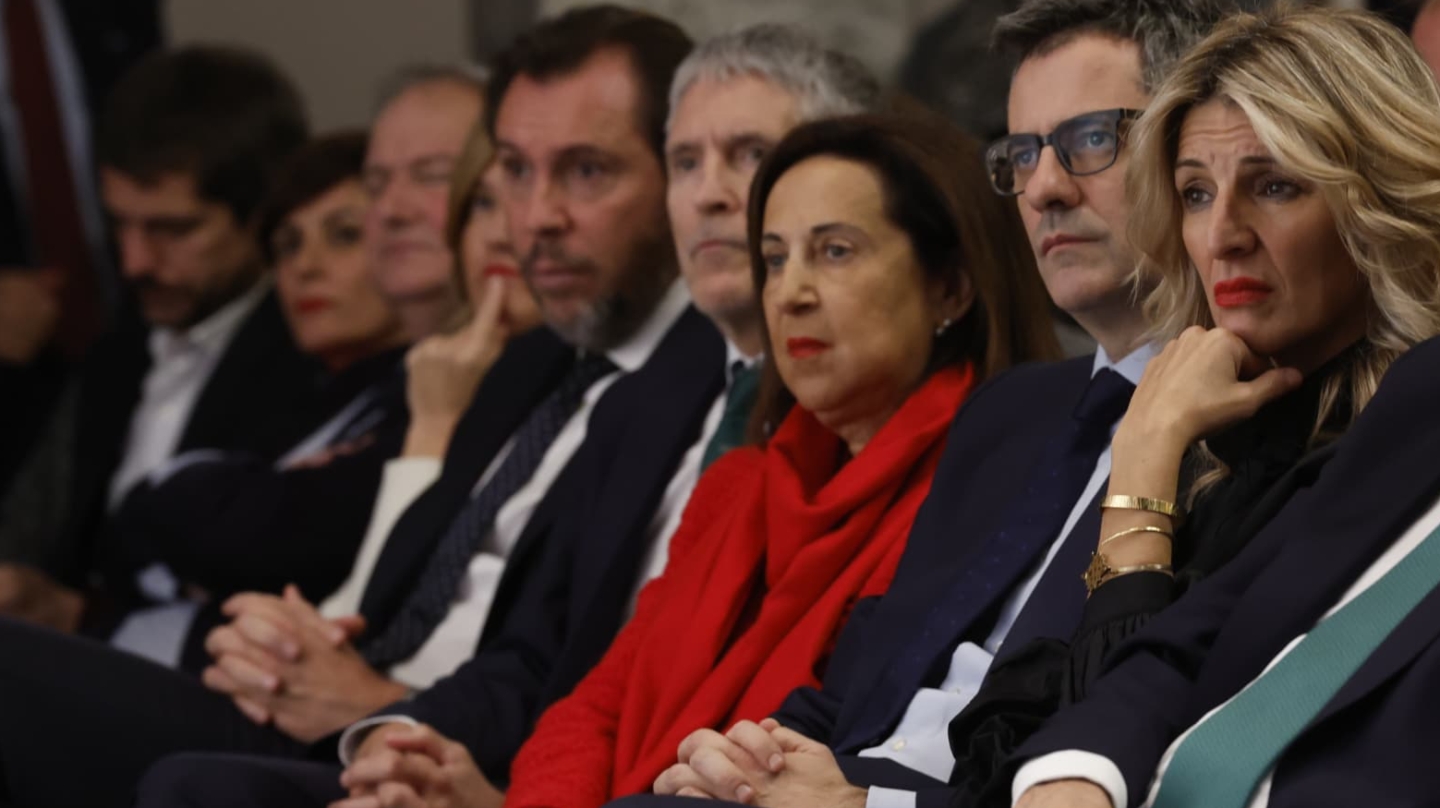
(891, 283)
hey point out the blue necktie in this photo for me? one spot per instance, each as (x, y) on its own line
(434, 592)
(1220, 763)
(1034, 521)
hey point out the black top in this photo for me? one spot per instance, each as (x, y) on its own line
(1270, 457)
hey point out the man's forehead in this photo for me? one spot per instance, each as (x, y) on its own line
(597, 104)
(723, 108)
(1089, 73)
(427, 118)
(172, 192)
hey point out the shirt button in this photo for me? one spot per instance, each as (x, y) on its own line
(898, 745)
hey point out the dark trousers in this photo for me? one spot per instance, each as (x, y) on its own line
(211, 780)
(81, 722)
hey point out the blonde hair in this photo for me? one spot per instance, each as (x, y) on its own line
(474, 159)
(1341, 99)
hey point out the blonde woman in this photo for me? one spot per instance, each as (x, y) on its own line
(1285, 191)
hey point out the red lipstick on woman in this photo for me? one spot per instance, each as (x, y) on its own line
(310, 305)
(500, 270)
(1241, 291)
(805, 347)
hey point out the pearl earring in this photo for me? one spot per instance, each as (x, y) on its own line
(944, 325)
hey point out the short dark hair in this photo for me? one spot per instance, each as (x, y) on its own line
(306, 175)
(559, 46)
(1163, 29)
(935, 189)
(226, 116)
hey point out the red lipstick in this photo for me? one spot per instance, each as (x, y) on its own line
(805, 347)
(310, 305)
(500, 270)
(1240, 291)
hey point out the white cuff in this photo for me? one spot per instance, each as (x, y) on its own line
(1072, 764)
(889, 798)
(357, 732)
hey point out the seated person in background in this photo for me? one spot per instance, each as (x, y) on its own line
(611, 397)
(882, 309)
(733, 99)
(227, 522)
(187, 145)
(1293, 155)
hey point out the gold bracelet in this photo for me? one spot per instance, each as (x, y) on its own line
(1133, 530)
(1160, 506)
(1099, 572)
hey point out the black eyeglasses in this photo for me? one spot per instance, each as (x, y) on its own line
(1085, 144)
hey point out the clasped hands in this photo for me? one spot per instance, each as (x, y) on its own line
(281, 662)
(759, 764)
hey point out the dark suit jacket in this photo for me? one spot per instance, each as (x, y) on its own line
(569, 581)
(1373, 744)
(996, 439)
(260, 376)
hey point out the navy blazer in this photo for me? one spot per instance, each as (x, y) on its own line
(1373, 743)
(568, 584)
(997, 437)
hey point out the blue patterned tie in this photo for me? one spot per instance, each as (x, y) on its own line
(435, 589)
(1220, 763)
(1032, 524)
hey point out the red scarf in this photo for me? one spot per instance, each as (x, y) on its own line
(826, 536)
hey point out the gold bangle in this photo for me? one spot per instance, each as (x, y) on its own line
(1133, 530)
(1160, 506)
(1100, 572)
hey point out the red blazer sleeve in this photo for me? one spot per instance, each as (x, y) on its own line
(569, 759)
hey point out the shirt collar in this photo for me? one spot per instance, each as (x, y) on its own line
(734, 360)
(211, 335)
(635, 351)
(1131, 366)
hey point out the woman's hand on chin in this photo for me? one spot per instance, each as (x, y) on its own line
(1201, 383)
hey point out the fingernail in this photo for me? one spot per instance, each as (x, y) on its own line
(776, 761)
(292, 652)
(744, 793)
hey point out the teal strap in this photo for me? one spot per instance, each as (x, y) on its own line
(1222, 761)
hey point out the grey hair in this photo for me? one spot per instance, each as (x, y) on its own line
(1163, 29)
(408, 77)
(826, 83)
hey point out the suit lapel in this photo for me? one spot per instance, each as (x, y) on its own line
(526, 372)
(664, 407)
(1054, 608)
(954, 523)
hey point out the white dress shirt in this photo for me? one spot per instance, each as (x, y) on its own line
(921, 740)
(181, 366)
(1075, 764)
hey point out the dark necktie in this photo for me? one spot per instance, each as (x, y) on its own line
(1032, 524)
(739, 401)
(1222, 761)
(56, 228)
(434, 591)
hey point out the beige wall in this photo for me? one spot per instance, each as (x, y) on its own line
(337, 51)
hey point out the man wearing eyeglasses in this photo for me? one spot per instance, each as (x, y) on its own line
(990, 586)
